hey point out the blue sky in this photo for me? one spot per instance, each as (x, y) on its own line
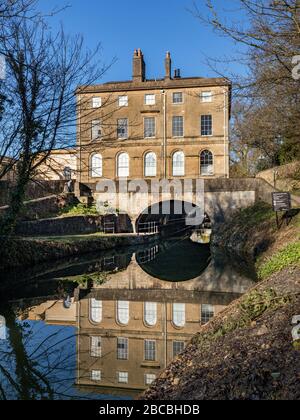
(155, 26)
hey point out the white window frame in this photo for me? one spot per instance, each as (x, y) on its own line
(148, 352)
(150, 99)
(178, 170)
(95, 311)
(179, 314)
(181, 343)
(96, 130)
(123, 312)
(96, 346)
(154, 135)
(207, 169)
(150, 378)
(122, 354)
(206, 97)
(126, 126)
(204, 311)
(96, 102)
(123, 101)
(182, 98)
(96, 375)
(150, 313)
(176, 135)
(123, 377)
(150, 165)
(123, 167)
(96, 165)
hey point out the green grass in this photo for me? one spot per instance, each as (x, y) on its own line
(79, 210)
(287, 257)
(258, 213)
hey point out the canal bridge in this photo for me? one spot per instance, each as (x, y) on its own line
(217, 198)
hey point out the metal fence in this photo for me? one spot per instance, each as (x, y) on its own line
(149, 227)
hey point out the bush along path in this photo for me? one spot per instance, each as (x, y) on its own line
(248, 351)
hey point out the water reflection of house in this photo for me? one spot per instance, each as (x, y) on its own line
(133, 325)
(53, 312)
(126, 337)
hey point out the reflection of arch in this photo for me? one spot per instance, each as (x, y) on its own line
(175, 261)
(178, 163)
(123, 165)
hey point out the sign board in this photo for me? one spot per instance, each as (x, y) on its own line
(282, 201)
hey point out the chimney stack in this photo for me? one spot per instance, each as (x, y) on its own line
(168, 66)
(139, 68)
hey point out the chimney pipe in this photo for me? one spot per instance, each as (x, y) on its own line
(139, 68)
(168, 66)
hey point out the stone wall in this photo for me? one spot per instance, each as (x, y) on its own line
(36, 189)
(75, 225)
(42, 208)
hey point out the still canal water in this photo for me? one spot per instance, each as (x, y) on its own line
(104, 326)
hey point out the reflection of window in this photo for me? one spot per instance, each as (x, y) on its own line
(206, 163)
(179, 314)
(207, 313)
(96, 310)
(150, 350)
(123, 100)
(149, 378)
(150, 313)
(96, 166)
(96, 346)
(150, 164)
(123, 312)
(178, 347)
(96, 375)
(122, 348)
(123, 165)
(123, 377)
(178, 164)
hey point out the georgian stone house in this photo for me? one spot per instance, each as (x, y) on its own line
(173, 127)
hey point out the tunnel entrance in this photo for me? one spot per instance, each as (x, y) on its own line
(168, 218)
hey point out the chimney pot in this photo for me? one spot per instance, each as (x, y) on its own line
(168, 66)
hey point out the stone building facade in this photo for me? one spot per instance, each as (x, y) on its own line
(170, 128)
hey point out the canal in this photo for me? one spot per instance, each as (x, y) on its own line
(104, 326)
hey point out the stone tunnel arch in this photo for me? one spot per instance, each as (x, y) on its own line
(169, 216)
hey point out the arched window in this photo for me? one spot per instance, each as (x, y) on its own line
(123, 312)
(96, 311)
(123, 165)
(150, 164)
(178, 164)
(96, 166)
(206, 163)
(150, 314)
(179, 315)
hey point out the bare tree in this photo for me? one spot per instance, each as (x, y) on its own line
(42, 73)
(268, 33)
